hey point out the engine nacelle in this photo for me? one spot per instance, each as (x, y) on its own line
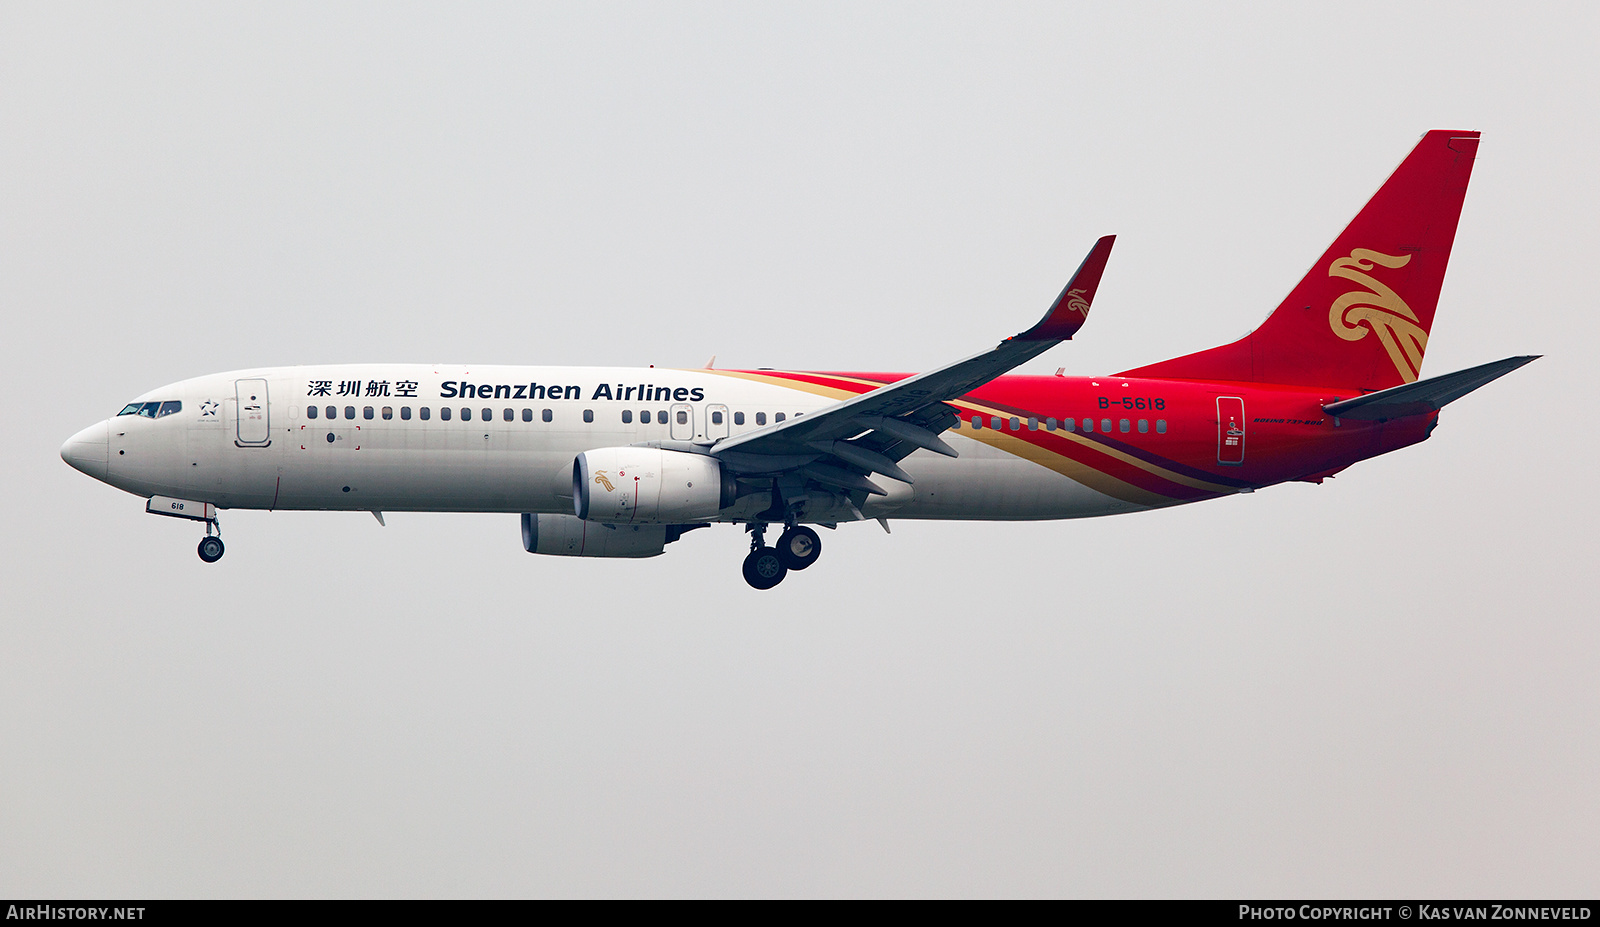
(648, 486)
(570, 536)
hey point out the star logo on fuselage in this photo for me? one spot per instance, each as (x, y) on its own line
(208, 409)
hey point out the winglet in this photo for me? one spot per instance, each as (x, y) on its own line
(1071, 308)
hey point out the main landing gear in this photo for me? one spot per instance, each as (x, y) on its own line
(211, 545)
(798, 547)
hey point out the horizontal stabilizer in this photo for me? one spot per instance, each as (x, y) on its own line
(1424, 396)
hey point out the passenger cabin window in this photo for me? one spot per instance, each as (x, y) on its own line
(1105, 425)
(977, 423)
(424, 413)
(466, 414)
(1088, 426)
(388, 413)
(738, 418)
(1069, 424)
(644, 417)
(1144, 426)
(1016, 423)
(405, 413)
(510, 416)
(777, 416)
(350, 412)
(994, 422)
(332, 411)
(1033, 424)
(367, 413)
(527, 415)
(1161, 426)
(547, 415)
(627, 416)
(488, 415)
(683, 417)
(444, 414)
(1123, 426)
(716, 418)
(761, 418)
(588, 416)
(311, 411)
(1049, 424)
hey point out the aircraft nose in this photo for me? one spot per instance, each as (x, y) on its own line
(87, 450)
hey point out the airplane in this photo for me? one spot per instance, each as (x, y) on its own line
(620, 462)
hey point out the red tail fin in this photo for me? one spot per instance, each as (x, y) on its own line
(1361, 317)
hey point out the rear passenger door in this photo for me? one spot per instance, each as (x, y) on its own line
(1230, 430)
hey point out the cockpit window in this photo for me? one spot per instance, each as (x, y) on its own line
(152, 409)
(146, 409)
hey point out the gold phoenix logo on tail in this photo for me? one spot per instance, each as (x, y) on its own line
(600, 477)
(1076, 302)
(1381, 310)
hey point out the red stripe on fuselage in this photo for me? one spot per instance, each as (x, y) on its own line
(1288, 435)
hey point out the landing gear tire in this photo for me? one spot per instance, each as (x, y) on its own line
(763, 568)
(211, 549)
(799, 547)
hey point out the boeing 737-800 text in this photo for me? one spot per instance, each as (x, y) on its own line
(619, 462)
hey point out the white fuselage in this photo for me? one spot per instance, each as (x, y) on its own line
(500, 439)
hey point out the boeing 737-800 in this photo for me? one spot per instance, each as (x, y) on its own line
(619, 462)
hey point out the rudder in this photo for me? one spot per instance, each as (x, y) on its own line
(1361, 317)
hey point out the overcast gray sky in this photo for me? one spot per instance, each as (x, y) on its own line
(1384, 685)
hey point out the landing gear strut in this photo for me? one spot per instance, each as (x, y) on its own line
(763, 568)
(211, 545)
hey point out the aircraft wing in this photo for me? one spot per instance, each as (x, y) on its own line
(843, 443)
(1424, 396)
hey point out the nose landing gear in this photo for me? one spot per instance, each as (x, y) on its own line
(211, 548)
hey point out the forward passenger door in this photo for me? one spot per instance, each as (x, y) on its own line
(252, 412)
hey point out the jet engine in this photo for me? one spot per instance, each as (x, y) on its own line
(648, 486)
(568, 536)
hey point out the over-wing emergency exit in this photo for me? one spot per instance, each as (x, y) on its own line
(620, 462)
